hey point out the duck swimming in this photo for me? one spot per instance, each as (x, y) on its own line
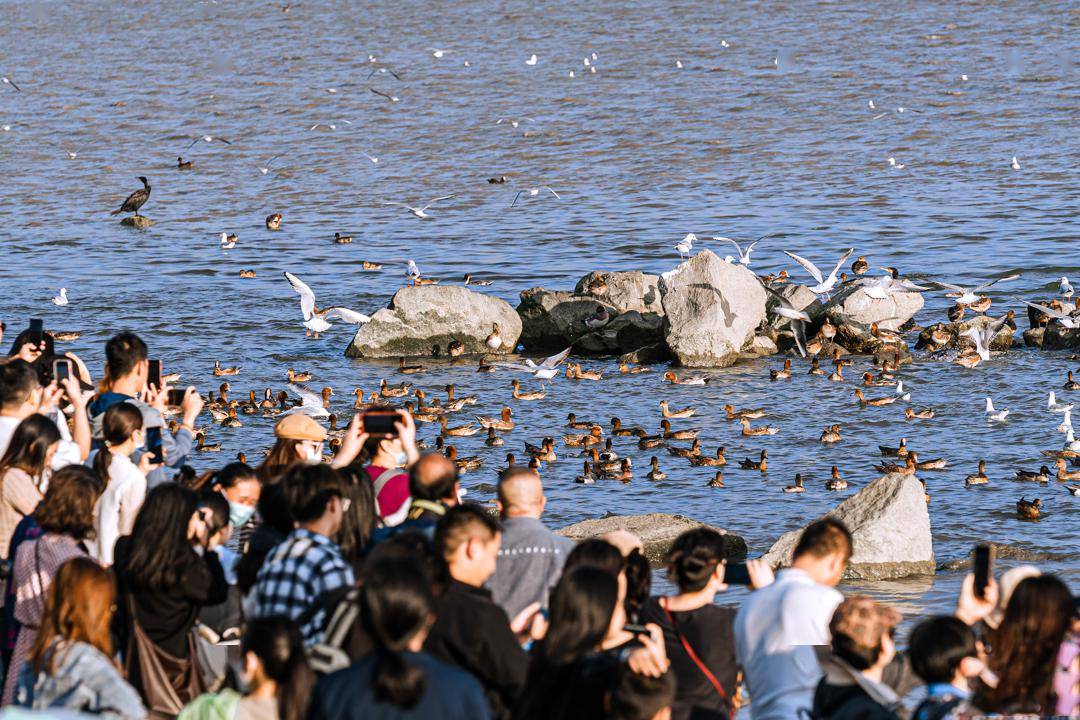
(747, 413)
(900, 451)
(493, 440)
(762, 464)
(574, 372)
(273, 222)
(455, 348)
(815, 368)
(459, 431)
(409, 369)
(219, 371)
(1029, 510)
(503, 422)
(202, 446)
(838, 374)
(797, 487)
(626, 369)
(247, 273)
(232, 421)
(831, 434)
(921, 414)
(674, 379)
(1071, 384)
(617, 429)
(748, 431)
(394, 391)
(668, 413)
(593, 437)
(528, 395)
(978, 478)
(874, 402)
(181, 165)
(1042, 476)
(705, 461)
(546, 451)
(717, 481)
(298, 377)
(693, 451)
(573, 422)
(1064, 474)
(670, 434)
(656, 474)
(836, 482)
(468, 280)
(908, 468)
(647, 442)
(340, 239)
(784, 374)
(368, 265)
(464, 464)
(586, 477)
(934, 464)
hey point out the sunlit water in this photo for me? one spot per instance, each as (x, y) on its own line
(771, 134)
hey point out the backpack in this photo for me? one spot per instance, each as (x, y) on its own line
(329, 655)
(936, 708)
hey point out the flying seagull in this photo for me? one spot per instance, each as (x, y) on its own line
(419, 211)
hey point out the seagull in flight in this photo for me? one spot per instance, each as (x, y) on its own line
(1067, 321)
(8, 81)
(797, 318)
(825, 285)
(316, 319)
(374, 160)
(266, 167)
(331, 126)
(533, 192)
(965, 296)
(880, 288)
(391, 98)
(983, 338)
(228, 242)
(208, 139)
(383, 71)
(437, 53)
(420, 211)
(744, 257)
(546, 370)
(513, 123)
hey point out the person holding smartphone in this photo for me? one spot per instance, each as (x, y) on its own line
(127, 379)
(382, 444)
(22, 394)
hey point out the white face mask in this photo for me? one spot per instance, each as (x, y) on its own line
(314, 454)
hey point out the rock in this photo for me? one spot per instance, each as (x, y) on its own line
(627, 330)
(1033, 337)
(890, 527)
(624, 291)
(1003, 551)
(648, 355)
(711, 308)
(554, 319)
(1059, 337)
(853, 312)
(656, 530)
(419, 318)
(760, 346)
(801, 298)
(137, 221)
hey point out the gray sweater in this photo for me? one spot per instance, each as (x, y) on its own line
(530, 562)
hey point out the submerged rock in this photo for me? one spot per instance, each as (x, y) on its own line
(419, 318)
(137, 221)
(712, 307)
(890, 527)
(648, 355)
(657, 532)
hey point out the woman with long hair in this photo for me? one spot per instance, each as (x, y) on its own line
(299, 439)
(397, 679)
(165, 572)
(125, 482)
(273, 671)
(66, 520)
(358, 522)
(23, 468)
(71, 666)
(1024, 648)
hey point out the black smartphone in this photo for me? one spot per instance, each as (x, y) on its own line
(736, 574)
(380, 423)
(37, 329)
(636, 629)
(153, 445)
(176, 397)
(984, 567)
(153, 377)
(61, 370)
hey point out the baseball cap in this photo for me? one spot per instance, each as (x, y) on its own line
(299, 427)
(863, 621)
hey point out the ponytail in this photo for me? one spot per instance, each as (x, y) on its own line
(276, 641)
(396, 681)
(101, 465)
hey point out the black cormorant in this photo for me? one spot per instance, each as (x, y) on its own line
(135, 200)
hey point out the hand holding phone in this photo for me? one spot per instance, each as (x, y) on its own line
(984, 568)
(736, 574)
(154, 447)
(153, 377)
(61, 370)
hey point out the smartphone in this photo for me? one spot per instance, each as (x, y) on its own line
(37, 329)
(153, 378)
(61, 370)
(736, 574)
(984, 567)
(153, 445)
(176, 397)
(636, 629)
(381, 423)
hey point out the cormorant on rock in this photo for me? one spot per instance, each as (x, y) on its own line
(135, 200)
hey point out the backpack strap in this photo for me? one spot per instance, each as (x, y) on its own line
(385, 477)
(934, 709)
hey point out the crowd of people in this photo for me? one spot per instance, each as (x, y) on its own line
(363, 586)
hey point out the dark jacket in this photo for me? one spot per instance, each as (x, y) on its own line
(844, 694)
(473, 633)
(449, 694)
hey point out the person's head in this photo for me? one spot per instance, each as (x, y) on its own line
(468, 538)
(581, 609)
(944, 649)
(68, 505)
(358, 522)
(20, 391)
(1025, 646)
(316, 497)
(31, 446)
(164, 530)
(862, 633)
(79, 607)
(239, 485)
(299, 439)
(695, 561)
(640, 697)
(595, 552)
(122, 432)
(434, 477)
(397, 608)
(416, 546)
(823, 551)
(126, 362)
(1006, 585)
(215, 513)
(384, 452)
(273, 653)
(632, 570)
(520, 493)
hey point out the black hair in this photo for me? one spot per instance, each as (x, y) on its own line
(26, 337)
(358, 522)
(414, 544)
(396, 603)
(580, 612)
(309, 490)
(159, 539)
(857, 656)
(277, 642)
(226, 477)
(28, 446)
(937, 646)
(122, 353)
(694, 557)
(117, 426)
(824, 537)
(460, 523)
(638, 583)
(640, 697)
(17, 380)
(273, 507)
(218, 506)
(595, 552)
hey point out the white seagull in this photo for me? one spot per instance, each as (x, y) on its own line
(798, 318)
(531, 60)
(993, 415)
(686, 245)
(266, 166)
(1065, 287)
(316, 319)
(419, 212)
(546, 370)
(965, 296)
(61, 299)
(208, 139)
(1054, 406)
(533, 192)
(388, 96)
(904, 396)
(228, 242)
(7, 81)
(881, 287)
(412, 271)
(437, 53)
(1066, 422)
(1066, 320)
(744, 256)
(1015, 164)
(825, 285)
(983, 338)
(312, 403)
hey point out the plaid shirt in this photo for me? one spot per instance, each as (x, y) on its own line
(295, 574)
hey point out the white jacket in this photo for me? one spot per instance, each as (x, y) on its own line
(114, 514)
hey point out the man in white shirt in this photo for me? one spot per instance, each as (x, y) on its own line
(778, 626)
(21, 395)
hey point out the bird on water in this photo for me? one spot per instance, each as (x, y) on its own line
(136, 199)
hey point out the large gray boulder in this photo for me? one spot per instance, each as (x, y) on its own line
(712, 307)
(890, 527)
(656, 530)
(624, 291)
(418, 318)
(1059, 337)
(853, 311)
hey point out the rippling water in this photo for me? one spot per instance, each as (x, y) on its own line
(765, 129)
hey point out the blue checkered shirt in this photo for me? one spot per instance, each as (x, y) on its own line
(295, 574)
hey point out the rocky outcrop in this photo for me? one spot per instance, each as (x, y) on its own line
(712, 307)
(554, 319)
(853, 311)
(801, 298)
(1059, 337)
(419, 318)
(657, 532)
(950, 336)
(137, 221)
(890, 527)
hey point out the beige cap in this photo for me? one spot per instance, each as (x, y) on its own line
(299, 427)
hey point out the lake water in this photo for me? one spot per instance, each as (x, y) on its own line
(765, 128)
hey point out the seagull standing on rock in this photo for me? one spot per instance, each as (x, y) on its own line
(686, 245)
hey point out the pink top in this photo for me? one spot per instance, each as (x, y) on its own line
(394, 494)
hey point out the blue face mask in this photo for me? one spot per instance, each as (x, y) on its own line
(239, 514)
